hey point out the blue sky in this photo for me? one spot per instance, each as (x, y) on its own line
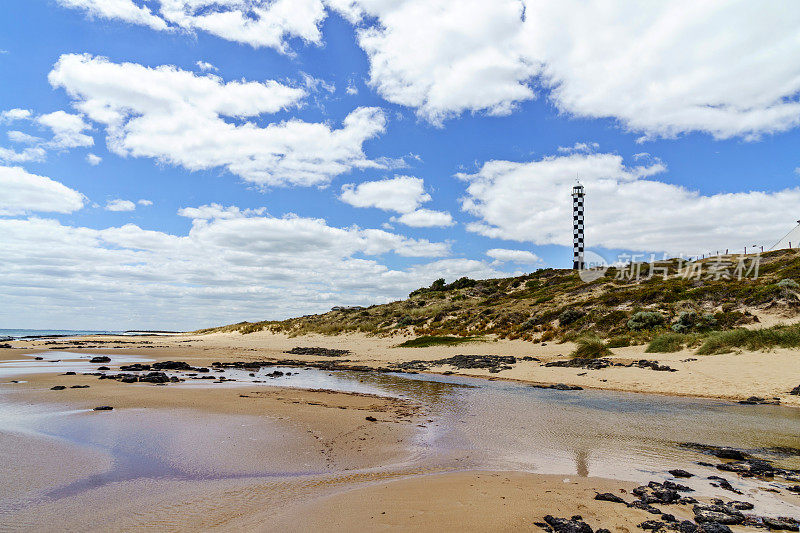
(481, 116)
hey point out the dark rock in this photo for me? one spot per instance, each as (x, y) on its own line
(608, 497)
(741, 506)
(687, 526)
(171, 365)
(371, 418)
(558, 386)
(717, 513)
(729, 453)
(100, 359)
(322, 352)
(563, 525)
(653, 525)
(713, 527)
(58, 387)
(680, 473)
(666, 517)
(136, 367)
(79, 387)
(784, 524)
(154, 377)
(39, 358)
(578, 362)
(103, 368)
(795, 391)
(69, 373)
(103, 408)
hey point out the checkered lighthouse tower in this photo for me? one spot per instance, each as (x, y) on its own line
(577, 227)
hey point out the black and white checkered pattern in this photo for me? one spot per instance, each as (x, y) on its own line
(577, 227)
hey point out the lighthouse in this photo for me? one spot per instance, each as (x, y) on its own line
(577, 226)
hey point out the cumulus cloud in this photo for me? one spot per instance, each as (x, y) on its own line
(258, 23)
(225, 269)
(120, 205)
(125, 10)
(625, 207)
(24, 192)
(660, 68)
(401, 194)
(93, 159)
(144, 202)
(202, 122)
(205, 66)
(67, 130)
(32, 153)
(207, 212)
(10, 115)
(523, 257)
(425, 218)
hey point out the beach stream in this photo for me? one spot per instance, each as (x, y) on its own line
(469, 423)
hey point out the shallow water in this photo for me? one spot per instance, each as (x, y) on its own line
(472, 423)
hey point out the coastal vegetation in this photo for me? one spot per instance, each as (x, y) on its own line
(434, 340)
(669, 311)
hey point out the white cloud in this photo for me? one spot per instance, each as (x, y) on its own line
(523, 257)
(93, 159)
(258, 23)
(425, 218)
(199, 122)
(24, 193)
(67, 130)
(208, 212)
(317, 84)
(661, 68)
(222, 270)
(33, 153)
(625, 207)
(125, 10)
(120, 205)
(144, 202)
(351, 88)
(23, 138)
(402, 194)
(10, 115)
(205, 66)
(581, 147)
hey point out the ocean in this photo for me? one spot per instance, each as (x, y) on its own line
(12, 334)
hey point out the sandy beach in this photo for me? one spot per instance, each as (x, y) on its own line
(240, 456)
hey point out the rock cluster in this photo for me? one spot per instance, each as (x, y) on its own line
(323, 352)
(494, 363)
(557, 386)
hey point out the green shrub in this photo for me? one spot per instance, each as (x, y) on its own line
(432, 340)
(667, 343)
(787, 283)
(690, 320)
(569, 316)
(751, 339)
(645, 320)
(406, 321)
(590, 347)
(618, 342)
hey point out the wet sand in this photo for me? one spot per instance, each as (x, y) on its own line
(266, 458)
